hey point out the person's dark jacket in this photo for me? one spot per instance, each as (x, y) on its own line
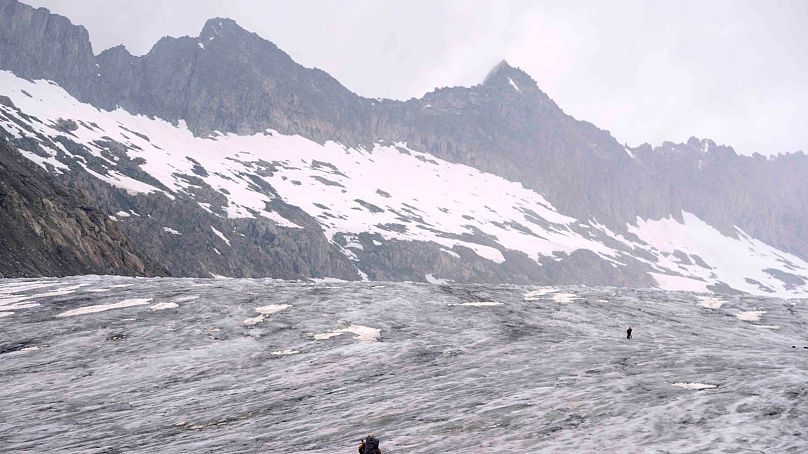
(370, 445)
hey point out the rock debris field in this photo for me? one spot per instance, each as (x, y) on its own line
(110, 364)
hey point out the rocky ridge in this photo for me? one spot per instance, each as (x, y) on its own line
(228, 80)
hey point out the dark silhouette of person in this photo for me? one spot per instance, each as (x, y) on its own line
(370, 445)
(628, 333)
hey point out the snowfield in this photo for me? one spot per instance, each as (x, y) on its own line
(470, 367)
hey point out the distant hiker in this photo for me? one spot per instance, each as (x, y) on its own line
(370, 445)
(628, 333)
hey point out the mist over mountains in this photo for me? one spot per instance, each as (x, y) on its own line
(219, 155)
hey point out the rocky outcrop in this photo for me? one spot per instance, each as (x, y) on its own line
(39, 45)
(50, 231)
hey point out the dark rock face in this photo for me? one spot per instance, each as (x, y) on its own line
(50, 231)
(766, 197)
(37, 44)
(229, 80)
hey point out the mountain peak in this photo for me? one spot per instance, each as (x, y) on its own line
(500, 68)
(505, 75)
(219, 26)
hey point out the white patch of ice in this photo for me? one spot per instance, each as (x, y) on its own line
(564, 297)
(24, 286)
(254, 320)
(264, 312)
(435, 280)
(328, 335)
(513, 84)
(59, 291)
(536, 295)
(185, 299)
(272, 309)
(17, 302)
(710, 302)
(477, 304)
(285, 352)
(328, 280)
(750, 316)
(6, 314)
(201, 46)
(163, 306)
(105, 307)
(768, 326)
(362, 333)
(452, 253)
(10, 303)
(171, 231)
(696, 386)
(123, 214)
(29, 349)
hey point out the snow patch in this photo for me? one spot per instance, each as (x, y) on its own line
(750, 316)
(105, 307)
(163, 306)
(695, 386)
(710, 302)
(564, 297)
(536, 295)
(285, 352)
(171, 231)
(478, 304)
(738, 262)
(435, 280)
(186, 299)
(220, 235)
(768, 326)
(264, 312)
(272, 309)
(361, 333)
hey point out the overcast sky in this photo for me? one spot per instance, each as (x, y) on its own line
(731, 70)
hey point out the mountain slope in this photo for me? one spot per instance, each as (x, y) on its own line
(229, 158)
(49, 231)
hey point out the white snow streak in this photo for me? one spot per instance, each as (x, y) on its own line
(105, 307)
(220, 235)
